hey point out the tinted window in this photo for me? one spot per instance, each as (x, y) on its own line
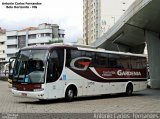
(101, 60)
(138, 62)
(124, 61)
(75, 54)
(55, 65)
(143, 61)
(92, 56)
(113, 61)
(72, 54)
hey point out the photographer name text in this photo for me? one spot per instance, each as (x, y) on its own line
(21, 5)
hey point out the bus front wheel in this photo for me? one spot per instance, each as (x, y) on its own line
(129, 89)
(69, 95)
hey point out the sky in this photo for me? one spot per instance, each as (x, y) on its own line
(68, 14)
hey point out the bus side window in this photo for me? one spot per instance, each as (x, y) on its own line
(124, 61)
(92, 56)
(113, 61)
(101, 60)
(135, 62)
(143, 62)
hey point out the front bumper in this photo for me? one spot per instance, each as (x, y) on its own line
(9, 83)
(27, 94)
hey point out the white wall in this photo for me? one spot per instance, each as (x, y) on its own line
(3, 47)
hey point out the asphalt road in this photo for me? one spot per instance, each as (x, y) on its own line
(147, 101)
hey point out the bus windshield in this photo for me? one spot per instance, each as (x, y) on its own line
(30, 66)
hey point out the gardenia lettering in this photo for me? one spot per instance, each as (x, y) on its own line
(128, 73)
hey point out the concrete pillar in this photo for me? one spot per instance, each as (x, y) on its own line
(153, 46)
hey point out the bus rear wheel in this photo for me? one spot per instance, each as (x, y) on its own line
(129, 89)
(69, 95)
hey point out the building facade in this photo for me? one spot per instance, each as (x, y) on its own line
(3, 45)
(43, 34)
(100, 15)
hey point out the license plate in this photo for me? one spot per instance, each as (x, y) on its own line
(24, 94)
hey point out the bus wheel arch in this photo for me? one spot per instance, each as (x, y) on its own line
(70, 92)
(129, 89)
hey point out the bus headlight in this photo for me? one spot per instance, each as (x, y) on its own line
(40, 89)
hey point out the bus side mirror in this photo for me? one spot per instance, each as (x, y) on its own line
(11, 61)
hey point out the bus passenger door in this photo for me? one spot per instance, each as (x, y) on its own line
(55, 86)
(11, 66)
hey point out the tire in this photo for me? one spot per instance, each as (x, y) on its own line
(42, 100)
(69, 95)
(129, 89)
(148, 86)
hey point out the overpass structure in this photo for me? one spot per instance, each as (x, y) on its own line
(138, 26)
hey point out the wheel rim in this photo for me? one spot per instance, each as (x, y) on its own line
(129, 91)
(70, 93)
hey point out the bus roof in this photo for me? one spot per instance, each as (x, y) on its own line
(79, 47)
(47, 47)
(112, 52)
